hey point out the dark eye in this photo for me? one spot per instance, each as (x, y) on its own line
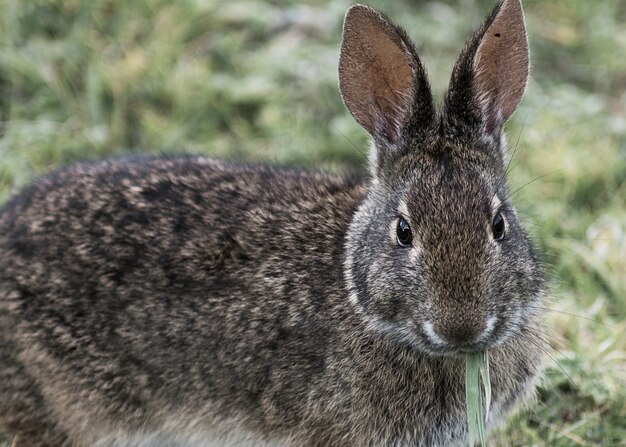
(497, 226)
(403, 232)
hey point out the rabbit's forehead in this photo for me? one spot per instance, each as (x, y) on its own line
(450, 191)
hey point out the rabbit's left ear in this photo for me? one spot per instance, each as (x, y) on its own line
(490, 77)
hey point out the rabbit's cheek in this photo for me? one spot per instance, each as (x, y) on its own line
(490, 325)
(432, 336)
(414, 255)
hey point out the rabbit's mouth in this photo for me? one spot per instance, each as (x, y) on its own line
(463, 342)
(455, 351)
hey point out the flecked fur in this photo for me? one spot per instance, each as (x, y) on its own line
(183, 301)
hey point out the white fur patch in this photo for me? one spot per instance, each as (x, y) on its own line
(403, 209)
(489, 325)
(351, 248)
(429, 330)
(495, 202)
(373, 159)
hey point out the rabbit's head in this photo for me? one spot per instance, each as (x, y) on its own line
(436, 254)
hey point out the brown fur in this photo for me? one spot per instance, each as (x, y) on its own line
(181, 301)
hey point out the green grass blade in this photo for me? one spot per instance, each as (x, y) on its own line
(484, 374)
(471, 396)
(477, 371)
(480, 417)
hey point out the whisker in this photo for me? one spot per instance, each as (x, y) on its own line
(351, 142)
(572, 364)
(554, 359)
(519, 136)
(553, 336)
(571, 314)
(572, 238)
(502, 180)
(538, 334)
(534, 180)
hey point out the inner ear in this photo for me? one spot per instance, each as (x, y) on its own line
(489, 78)
(502, 64)
(378, 73)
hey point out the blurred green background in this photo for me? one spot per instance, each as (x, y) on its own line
(257, 81)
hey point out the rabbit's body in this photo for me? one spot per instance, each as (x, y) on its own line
(156, 247)
(188, 302)
(156, 308)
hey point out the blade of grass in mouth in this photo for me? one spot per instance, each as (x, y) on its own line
(477, 371)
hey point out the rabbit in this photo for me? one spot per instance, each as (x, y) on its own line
(186, 301)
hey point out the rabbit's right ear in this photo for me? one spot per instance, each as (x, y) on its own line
(381, 79)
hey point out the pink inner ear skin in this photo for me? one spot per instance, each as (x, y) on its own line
(501, 65)
(376, 73)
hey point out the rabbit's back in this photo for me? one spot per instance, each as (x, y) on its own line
(139, 286)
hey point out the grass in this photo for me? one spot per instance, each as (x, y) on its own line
(477, 379)
(257, 81)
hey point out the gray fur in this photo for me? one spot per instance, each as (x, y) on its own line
(184, 301)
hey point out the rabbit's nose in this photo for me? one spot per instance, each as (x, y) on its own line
(461, 335)
(461, 331)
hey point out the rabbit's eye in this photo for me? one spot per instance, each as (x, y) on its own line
(497, 227)
(403, 232)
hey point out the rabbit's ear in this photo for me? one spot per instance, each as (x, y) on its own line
(489, 78)
(381, 79)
